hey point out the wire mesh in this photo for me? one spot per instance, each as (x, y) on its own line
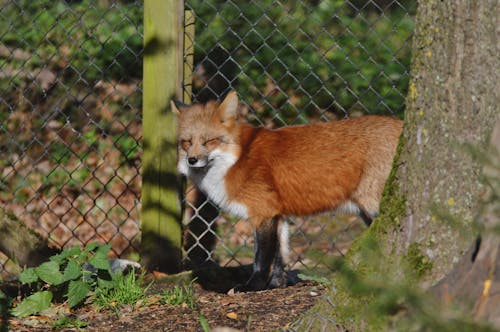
(70, 121)
(293, 62)
(70, 107)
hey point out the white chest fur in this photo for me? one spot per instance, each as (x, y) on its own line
(212, 182)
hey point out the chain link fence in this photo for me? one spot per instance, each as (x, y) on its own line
(70, 120)
(70, 107)
(293, 62)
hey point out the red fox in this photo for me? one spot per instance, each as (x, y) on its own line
(262, 175)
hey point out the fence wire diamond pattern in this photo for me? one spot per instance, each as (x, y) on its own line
(70, 121)
(70, 107)
(294, 62)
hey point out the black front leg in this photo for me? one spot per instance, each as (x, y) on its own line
(265, 248)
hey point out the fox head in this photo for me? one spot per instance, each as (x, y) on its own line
(207, 135)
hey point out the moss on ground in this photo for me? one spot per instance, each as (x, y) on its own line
(417, 261)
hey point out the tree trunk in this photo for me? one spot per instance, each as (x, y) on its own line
(22, 244)
(452, 101)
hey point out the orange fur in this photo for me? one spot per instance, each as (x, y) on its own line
(307, 169)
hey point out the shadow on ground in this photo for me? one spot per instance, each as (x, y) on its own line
(221, 279)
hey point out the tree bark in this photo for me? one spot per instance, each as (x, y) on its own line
(22, 244)
(475, 280)
(452, 101)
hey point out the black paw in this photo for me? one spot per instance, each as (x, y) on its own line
(278, 281)
(252, 285)
(240, 288)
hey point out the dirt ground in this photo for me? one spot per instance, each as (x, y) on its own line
(268, 310)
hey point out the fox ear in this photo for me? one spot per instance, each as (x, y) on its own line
(229, 107)
(177, 106)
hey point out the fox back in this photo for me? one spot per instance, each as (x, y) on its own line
(257, 173)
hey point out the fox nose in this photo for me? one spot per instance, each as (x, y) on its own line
(192, 160)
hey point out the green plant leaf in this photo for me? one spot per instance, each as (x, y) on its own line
(28, 276)
(58, 258)
(91, 247)
(73, 251)
(33, 304)
(49, 272)
(100, 262)
(103, 249)
(100, 259)
(72, 271)
(77, 292)
(66, 322)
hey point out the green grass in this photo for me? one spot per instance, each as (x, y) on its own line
(126, 290)
(204, 324)
(180, 295)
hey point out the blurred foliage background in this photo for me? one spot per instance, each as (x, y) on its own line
(296, 60)
(70, 119)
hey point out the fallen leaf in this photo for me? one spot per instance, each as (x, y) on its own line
(232, 315)
(159, 275)
(203, 299)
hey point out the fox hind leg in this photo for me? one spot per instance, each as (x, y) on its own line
(279, 277)
(367, 217)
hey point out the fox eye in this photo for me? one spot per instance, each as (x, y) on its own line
(185, 143)
(212, 141)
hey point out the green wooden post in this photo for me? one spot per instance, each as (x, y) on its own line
(189, 21)
(161, 211)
